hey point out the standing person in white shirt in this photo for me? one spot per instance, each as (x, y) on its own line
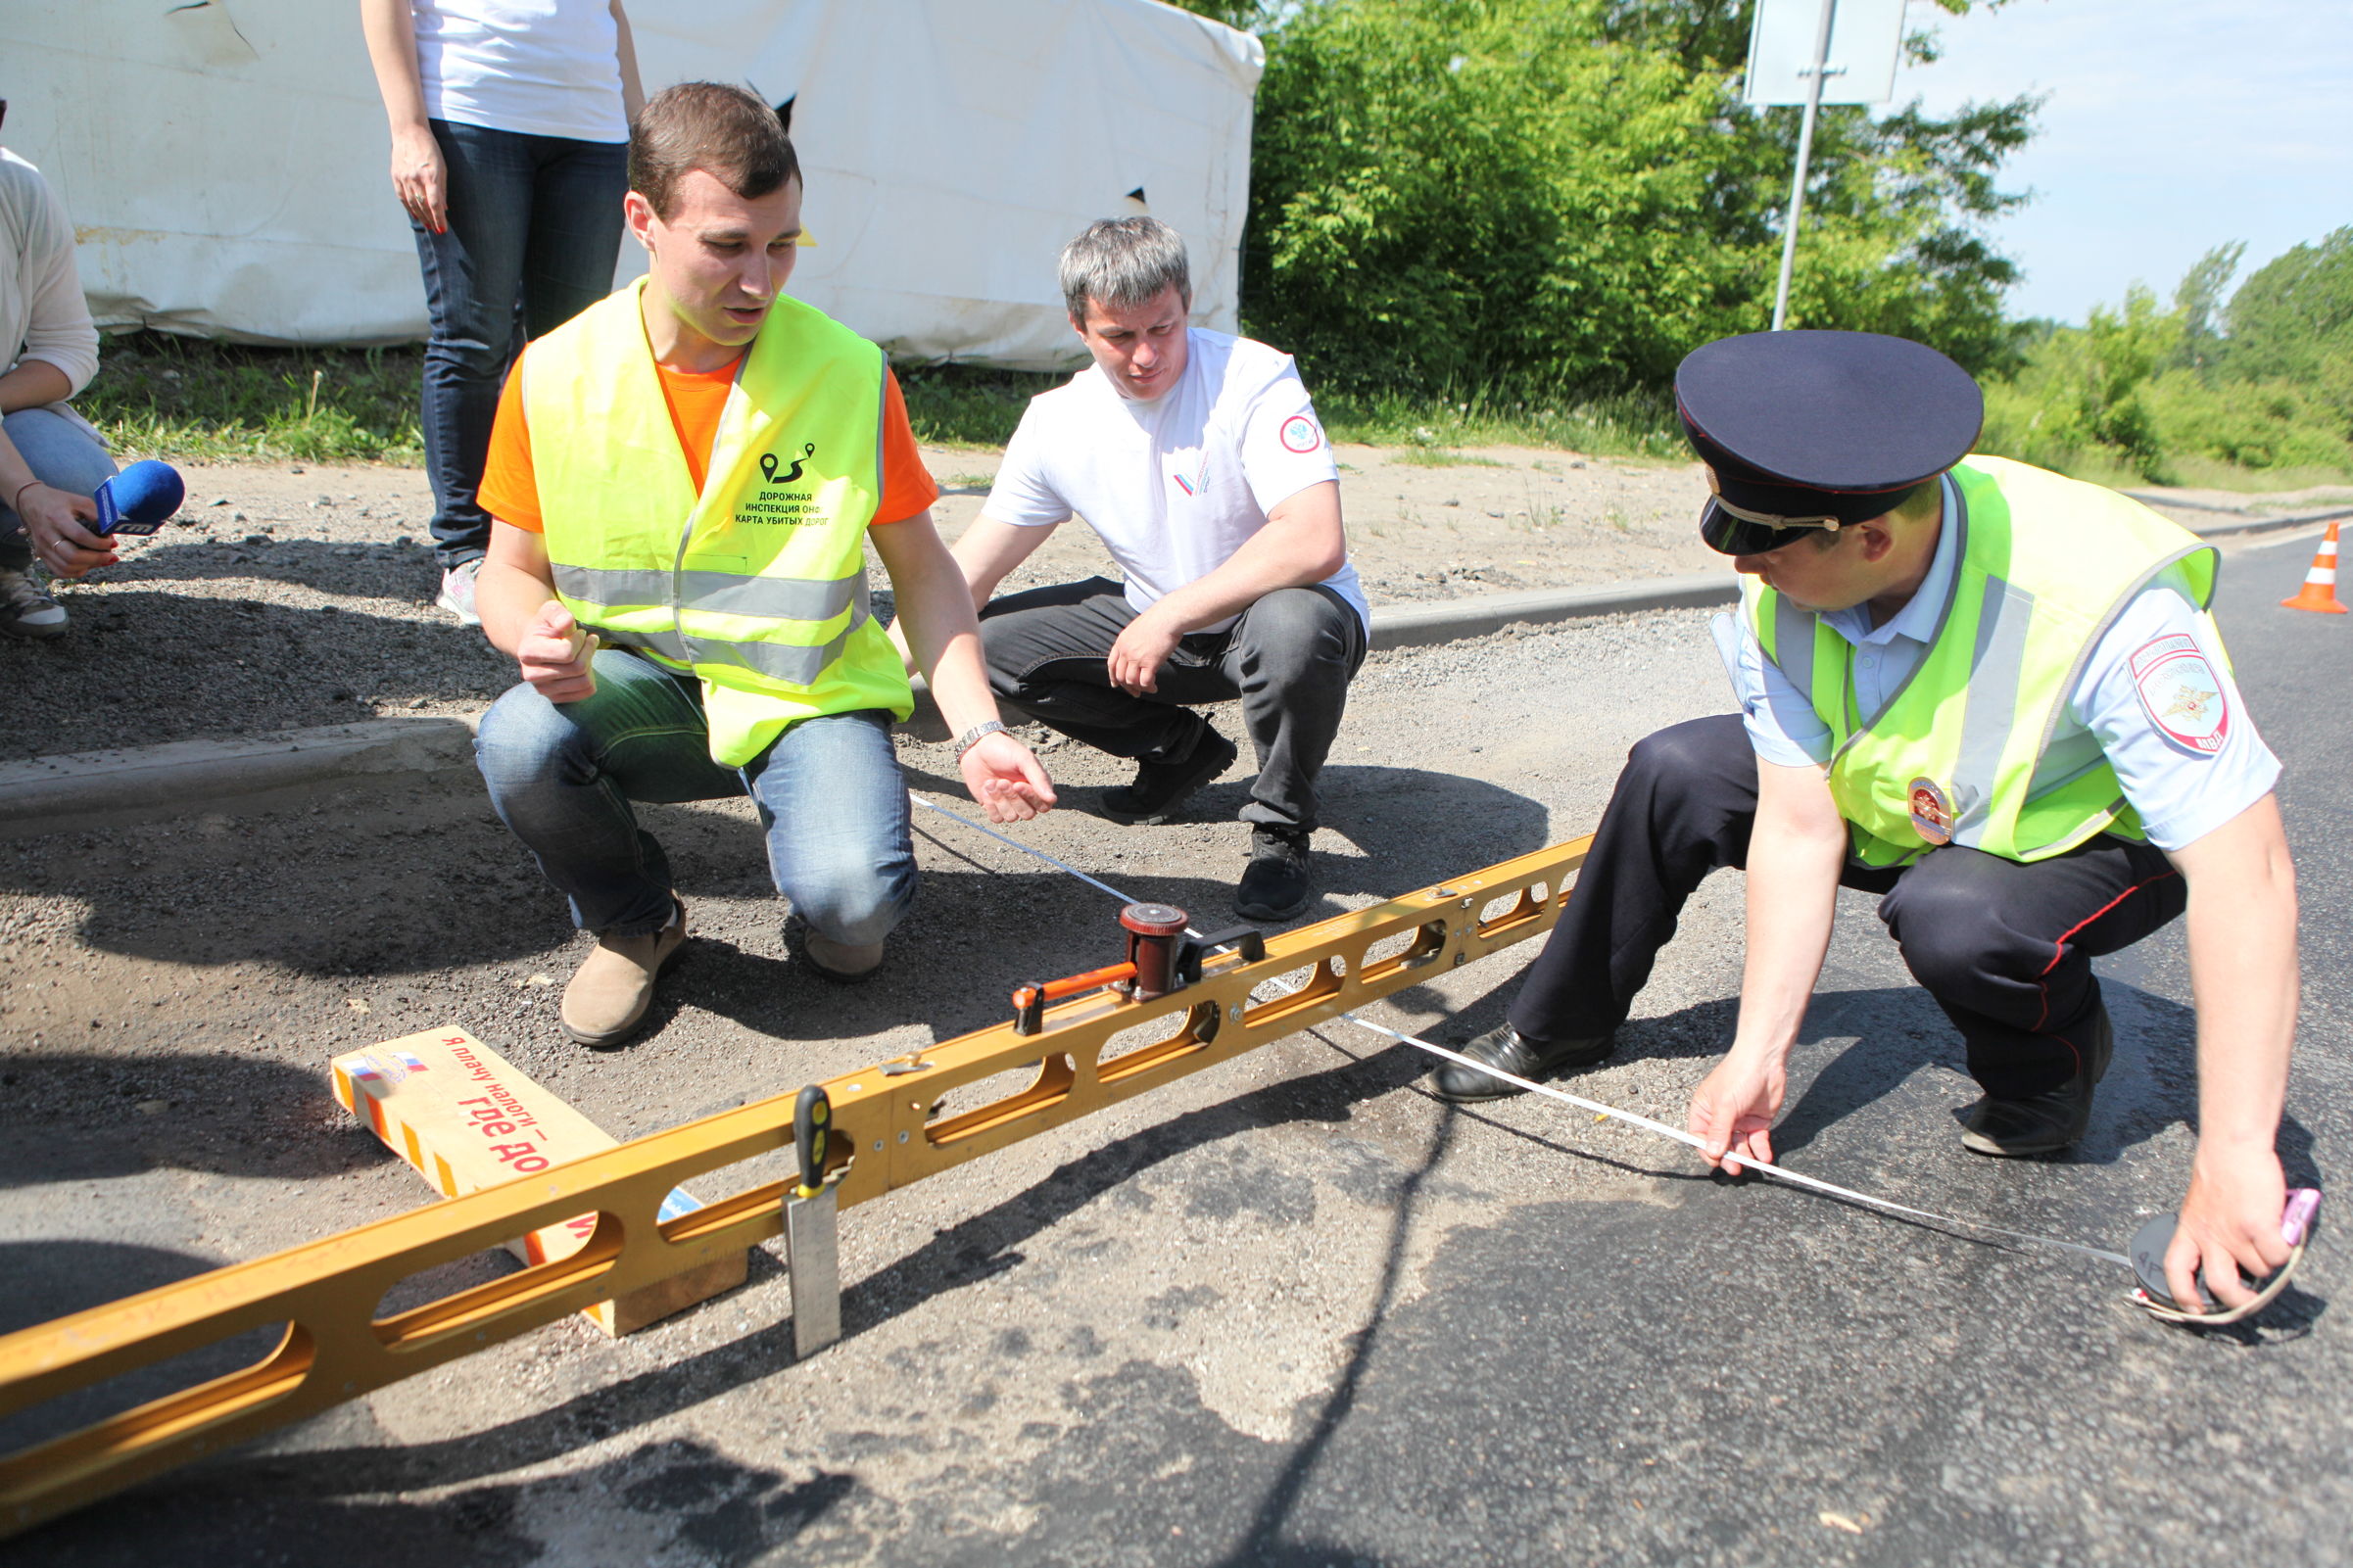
(1197, 459)
(510, 154)
(51, 460)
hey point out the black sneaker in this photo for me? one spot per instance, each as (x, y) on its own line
(1160, 788)
(2044, 1124)
(1506, 1048)
(1273, 884)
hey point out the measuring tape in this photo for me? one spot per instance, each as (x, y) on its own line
(2300, 1212)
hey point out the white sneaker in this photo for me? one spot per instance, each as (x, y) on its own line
(28, 612)
(458, 592)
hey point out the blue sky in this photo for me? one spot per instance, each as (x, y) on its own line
(2170, 127)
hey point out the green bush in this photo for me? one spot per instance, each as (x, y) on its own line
(2154, 394)
(1547, 193)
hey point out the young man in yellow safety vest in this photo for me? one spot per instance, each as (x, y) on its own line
(1994, 697)
(685, 478)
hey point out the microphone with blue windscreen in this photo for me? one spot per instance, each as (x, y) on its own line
(140, 498)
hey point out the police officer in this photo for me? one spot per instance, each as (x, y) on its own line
(1993, 697)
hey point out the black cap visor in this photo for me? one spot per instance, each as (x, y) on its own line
(1729, 534)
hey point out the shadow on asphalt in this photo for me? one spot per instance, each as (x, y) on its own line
(2152, 1086)
(975, 1248)
(1411, 826)
(42, 1280)
(722, 1511)
(70, 1117)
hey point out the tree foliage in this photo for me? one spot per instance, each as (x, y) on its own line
(2293, 320)
(2148, 391)
(1566, 193)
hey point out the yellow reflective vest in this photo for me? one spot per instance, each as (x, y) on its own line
(1963, 752)
(757, 585)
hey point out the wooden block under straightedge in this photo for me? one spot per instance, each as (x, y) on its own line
(465, 1118)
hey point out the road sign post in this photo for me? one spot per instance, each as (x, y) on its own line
(1816, 52)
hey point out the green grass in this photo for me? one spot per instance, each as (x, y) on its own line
(2201, 472)
(1440, 458)
(194, 400)
(966, 406)
(2103, 466)
(1618, 426)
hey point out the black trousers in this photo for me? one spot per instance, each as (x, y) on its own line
(1288, 659)
(2005, 948)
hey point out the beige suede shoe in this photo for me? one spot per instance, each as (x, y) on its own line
(841, 961)
(613, 986)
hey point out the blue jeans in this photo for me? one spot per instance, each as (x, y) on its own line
(535, 226)
(561, 775)
(61, 454)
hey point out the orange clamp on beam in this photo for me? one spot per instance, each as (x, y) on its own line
(1030, 1001)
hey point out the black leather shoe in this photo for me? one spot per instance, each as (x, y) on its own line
(2047, 1123)
(1506, 1048)
(1275, 883)
(1160, 788)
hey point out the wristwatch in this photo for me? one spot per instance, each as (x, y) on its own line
(972, 737)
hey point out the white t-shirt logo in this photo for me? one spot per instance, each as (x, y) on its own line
(1299, 434)
(2178, 689)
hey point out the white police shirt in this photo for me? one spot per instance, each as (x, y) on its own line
(2155, 697)
(1176, 484)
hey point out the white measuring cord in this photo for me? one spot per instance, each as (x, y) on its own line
(1632, 1119)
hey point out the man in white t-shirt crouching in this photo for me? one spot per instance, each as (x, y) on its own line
(1197, 459)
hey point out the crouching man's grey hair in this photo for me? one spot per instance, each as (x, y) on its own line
(1122, 262)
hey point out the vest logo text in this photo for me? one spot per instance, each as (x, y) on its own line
(773, 502)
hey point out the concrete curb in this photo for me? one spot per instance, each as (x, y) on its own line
(2267, 525)
(93, 788)
(1405, 625)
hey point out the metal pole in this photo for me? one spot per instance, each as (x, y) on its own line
(1805, 149)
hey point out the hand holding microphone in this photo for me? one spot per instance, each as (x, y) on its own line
(139, 500)
(136, 500)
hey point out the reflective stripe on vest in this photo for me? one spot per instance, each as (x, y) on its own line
(782, 598)
(2044, 565)
(757, 583)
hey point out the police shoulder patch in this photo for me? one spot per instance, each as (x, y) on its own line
(2182, 694)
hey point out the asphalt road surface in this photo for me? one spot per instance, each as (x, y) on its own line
(1289, 1310)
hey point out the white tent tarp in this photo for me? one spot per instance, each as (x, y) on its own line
(225, 162)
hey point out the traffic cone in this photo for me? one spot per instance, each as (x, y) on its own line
(2319, 591)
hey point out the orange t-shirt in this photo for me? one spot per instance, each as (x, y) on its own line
(510, 491)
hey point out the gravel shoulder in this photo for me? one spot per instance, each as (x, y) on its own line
(288, 595)
(292, 596)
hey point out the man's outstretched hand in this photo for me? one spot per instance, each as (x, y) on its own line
(1006, 778)
(2230, 1223)
(554, 654)
(1732, 1111)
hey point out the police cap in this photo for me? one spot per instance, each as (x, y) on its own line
(1805, 429)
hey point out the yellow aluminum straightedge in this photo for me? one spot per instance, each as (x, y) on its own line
(888, 1129)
